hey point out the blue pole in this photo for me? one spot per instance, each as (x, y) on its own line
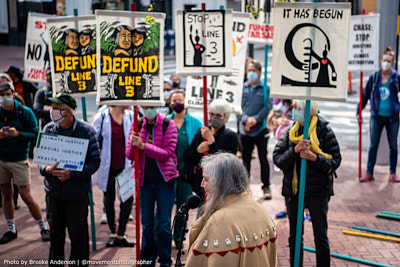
(300, 207)
(265, 81)
(344, 257)
(376, 231)
(92, 222)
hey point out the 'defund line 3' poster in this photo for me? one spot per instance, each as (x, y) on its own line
(130, 58)
(73, 54)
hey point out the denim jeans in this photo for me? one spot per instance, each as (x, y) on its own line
(392, 130)
(163, 194)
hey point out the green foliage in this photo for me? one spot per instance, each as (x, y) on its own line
(108, 45)
(153, 37)
(254, 11)
(57, 42)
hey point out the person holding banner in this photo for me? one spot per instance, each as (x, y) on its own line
(158, 169)
(382, 89)
(113, 125)
(18, 127)
(231, 220)
(187, 126)
(209, 140)
(323, 157)
(67, 191)
(255, 108)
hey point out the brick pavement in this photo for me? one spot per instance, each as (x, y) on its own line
(353, 204)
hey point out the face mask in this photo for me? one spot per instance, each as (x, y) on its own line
(216, 122)
(56, 115)
(252, 76)
(167, 94)
(175, 84)
(298, 116)
(386, 65)
(178, 107)
(150, 113)
(7, 101)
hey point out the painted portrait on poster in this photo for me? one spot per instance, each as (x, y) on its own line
(130, 49)
(73, 54)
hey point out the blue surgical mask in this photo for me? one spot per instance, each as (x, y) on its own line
(150, 113)
(252, 76)
(298, 115)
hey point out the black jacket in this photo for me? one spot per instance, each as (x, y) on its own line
(226, 140)
(319, 177)
(78, 186)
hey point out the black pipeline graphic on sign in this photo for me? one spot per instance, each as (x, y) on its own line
(304, 61)
(130, 60)
(74, 55)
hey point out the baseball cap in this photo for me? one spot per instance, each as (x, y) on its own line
(63, 98)
(5, 86)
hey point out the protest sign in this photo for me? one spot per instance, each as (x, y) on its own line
(310, 51)
(70, 152)
(230, 87)
(131, 55)
(73, 54)
(125, 184)
(364, 43)
(203, 42)
(37, 58)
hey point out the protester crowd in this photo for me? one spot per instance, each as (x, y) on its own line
(179, 157)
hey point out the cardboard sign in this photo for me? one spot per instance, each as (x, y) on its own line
(230, 87)
(364, 43)
(131, 55)
(73, 54)
(203, 42)
(70, 152)
(310, 51)
(37, 58)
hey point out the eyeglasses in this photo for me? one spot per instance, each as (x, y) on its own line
(215, 115)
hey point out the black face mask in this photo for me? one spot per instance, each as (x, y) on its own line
(175, 84)
(178, 107)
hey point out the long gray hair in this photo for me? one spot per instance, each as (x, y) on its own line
(227, 176)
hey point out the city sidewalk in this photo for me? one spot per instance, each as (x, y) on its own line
(354, 204)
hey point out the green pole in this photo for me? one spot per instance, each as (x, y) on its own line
(376, 231)
(92, 222)
(344, 257)
(300, 206)
(390, 213)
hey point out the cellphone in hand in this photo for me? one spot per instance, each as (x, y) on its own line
(5, 128)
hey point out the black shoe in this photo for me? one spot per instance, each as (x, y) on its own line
(16, 206)
(45, 233)
(267, 193)
(7, 237)
(124, 243)
(111, 242)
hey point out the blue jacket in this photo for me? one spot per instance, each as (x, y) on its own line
(14, 149)
(253, 106)
(375, 97)
(78, 186)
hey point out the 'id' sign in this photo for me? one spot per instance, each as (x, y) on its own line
(310, 51)
(203, 41)
(364, 43)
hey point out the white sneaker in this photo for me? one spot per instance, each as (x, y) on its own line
(130, 217)
(103, 219)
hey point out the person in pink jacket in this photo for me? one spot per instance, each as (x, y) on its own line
(157, 172)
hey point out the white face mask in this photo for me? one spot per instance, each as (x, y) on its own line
(6, 101)
(386, 65)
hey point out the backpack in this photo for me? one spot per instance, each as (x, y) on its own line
(164, 124)
(20, 116)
